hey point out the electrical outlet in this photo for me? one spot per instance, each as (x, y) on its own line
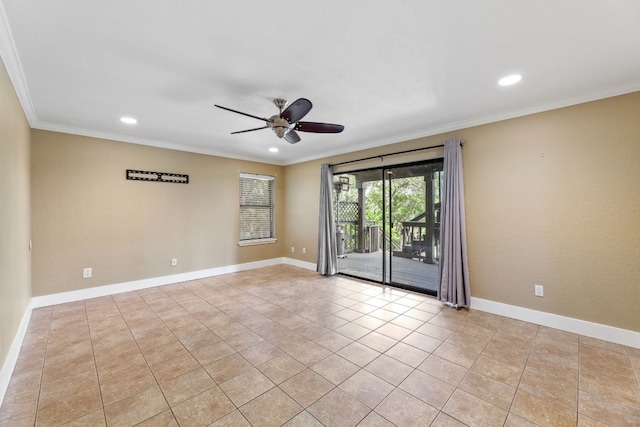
(87, 272)
(304, 250)
(174, 262)
(538, 290)
(293, 249)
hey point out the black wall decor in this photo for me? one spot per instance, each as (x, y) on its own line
(176, 178)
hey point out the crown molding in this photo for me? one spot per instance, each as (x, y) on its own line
(9, 55)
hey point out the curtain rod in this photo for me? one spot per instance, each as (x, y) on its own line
(382, 156)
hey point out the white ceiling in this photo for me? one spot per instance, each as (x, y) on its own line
(387, 71)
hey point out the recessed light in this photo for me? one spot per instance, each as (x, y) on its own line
(273, 149)
(509, 80)
(128, 120)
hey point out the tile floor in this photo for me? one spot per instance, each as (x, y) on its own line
(285, 346)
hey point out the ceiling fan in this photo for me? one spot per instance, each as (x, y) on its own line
(288, 121)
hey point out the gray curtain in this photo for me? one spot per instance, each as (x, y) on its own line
(327, 249)
(453, 267)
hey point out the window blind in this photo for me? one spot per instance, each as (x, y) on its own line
(256, 207)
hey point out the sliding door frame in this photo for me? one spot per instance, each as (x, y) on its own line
(386, 277)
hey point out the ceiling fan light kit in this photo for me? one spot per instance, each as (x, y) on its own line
(287, 122)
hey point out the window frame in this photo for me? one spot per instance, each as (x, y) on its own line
(272, 226)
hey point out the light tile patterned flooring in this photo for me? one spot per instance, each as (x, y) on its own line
(285, 346)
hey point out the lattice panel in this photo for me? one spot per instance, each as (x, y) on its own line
(346, 211)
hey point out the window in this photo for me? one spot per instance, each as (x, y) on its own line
(256, 209)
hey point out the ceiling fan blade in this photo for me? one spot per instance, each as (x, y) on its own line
(292, 137)
(297, 110)
(319, 127)
(244, 114)
(249, 130)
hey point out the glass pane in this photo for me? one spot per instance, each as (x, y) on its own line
(358, 213)
(255, 223)
(414, 223)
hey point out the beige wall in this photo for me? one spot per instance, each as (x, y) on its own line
(302, 189)
(15, 211)
(551, 198)
(86, 214)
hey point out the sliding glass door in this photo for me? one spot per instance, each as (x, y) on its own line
(388, 222)
(360, 224)
(413, 218)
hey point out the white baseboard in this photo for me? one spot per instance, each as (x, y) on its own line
(10, 362)
(100, 291)
(567, 324)
(302, 264)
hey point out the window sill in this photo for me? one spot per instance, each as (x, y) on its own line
(256, 242)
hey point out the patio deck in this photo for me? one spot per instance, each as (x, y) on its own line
(406, 272)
